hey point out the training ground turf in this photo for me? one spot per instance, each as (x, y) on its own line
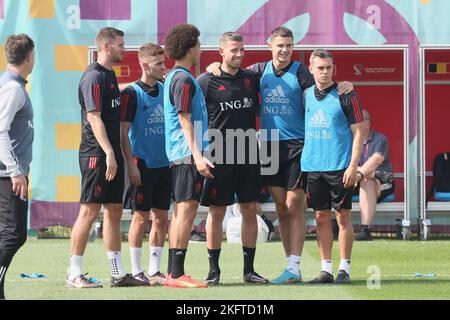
(396, 261)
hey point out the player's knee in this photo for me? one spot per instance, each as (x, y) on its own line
(217, 218)
(363, 183)
(322, 219)
(249, 218)
(293, 208)
(160, 219)
(89, 216)
(368, 184)
(186, 218)
(139, 221)
(89, 212)
(282, 208)
(283, 215)
(248, 207)
(343, 218)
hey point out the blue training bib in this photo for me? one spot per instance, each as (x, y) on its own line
(146, 133)
(282, 100)
(328, 137)
(176, 145)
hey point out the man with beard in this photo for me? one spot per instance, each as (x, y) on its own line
(101, 162)
(232, 103)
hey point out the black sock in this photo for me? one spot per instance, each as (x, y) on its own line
(365, 227)
(213, 256)
(169, 261)
(178, 256)
(249, 257)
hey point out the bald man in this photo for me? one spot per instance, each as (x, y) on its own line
(375, 178)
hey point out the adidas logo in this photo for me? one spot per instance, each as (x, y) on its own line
(318, 120)
(221, 88)
(277, 95)
(157, 116)
(179, 253)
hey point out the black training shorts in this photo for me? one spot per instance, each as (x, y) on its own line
(244, 181)
(94, 186)
(187, 182)
(326, 191)
(155, 189)
(289, 175)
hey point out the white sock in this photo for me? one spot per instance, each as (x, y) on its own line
(154, 260)
(136, 260)
(345, 265)
(294, 264)
(115, 264)
(76, 266)
(327, 265)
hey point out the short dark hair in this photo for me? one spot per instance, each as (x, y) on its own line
(320, 53)
(18, 48)
(150, 50)
(180, 39)
(230, 36)
(281, 31)
(107, 34)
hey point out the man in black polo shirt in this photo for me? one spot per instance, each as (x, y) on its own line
(101, 162)
(232, 104)
(377, 181)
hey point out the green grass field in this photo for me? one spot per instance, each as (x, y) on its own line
(398, 262)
